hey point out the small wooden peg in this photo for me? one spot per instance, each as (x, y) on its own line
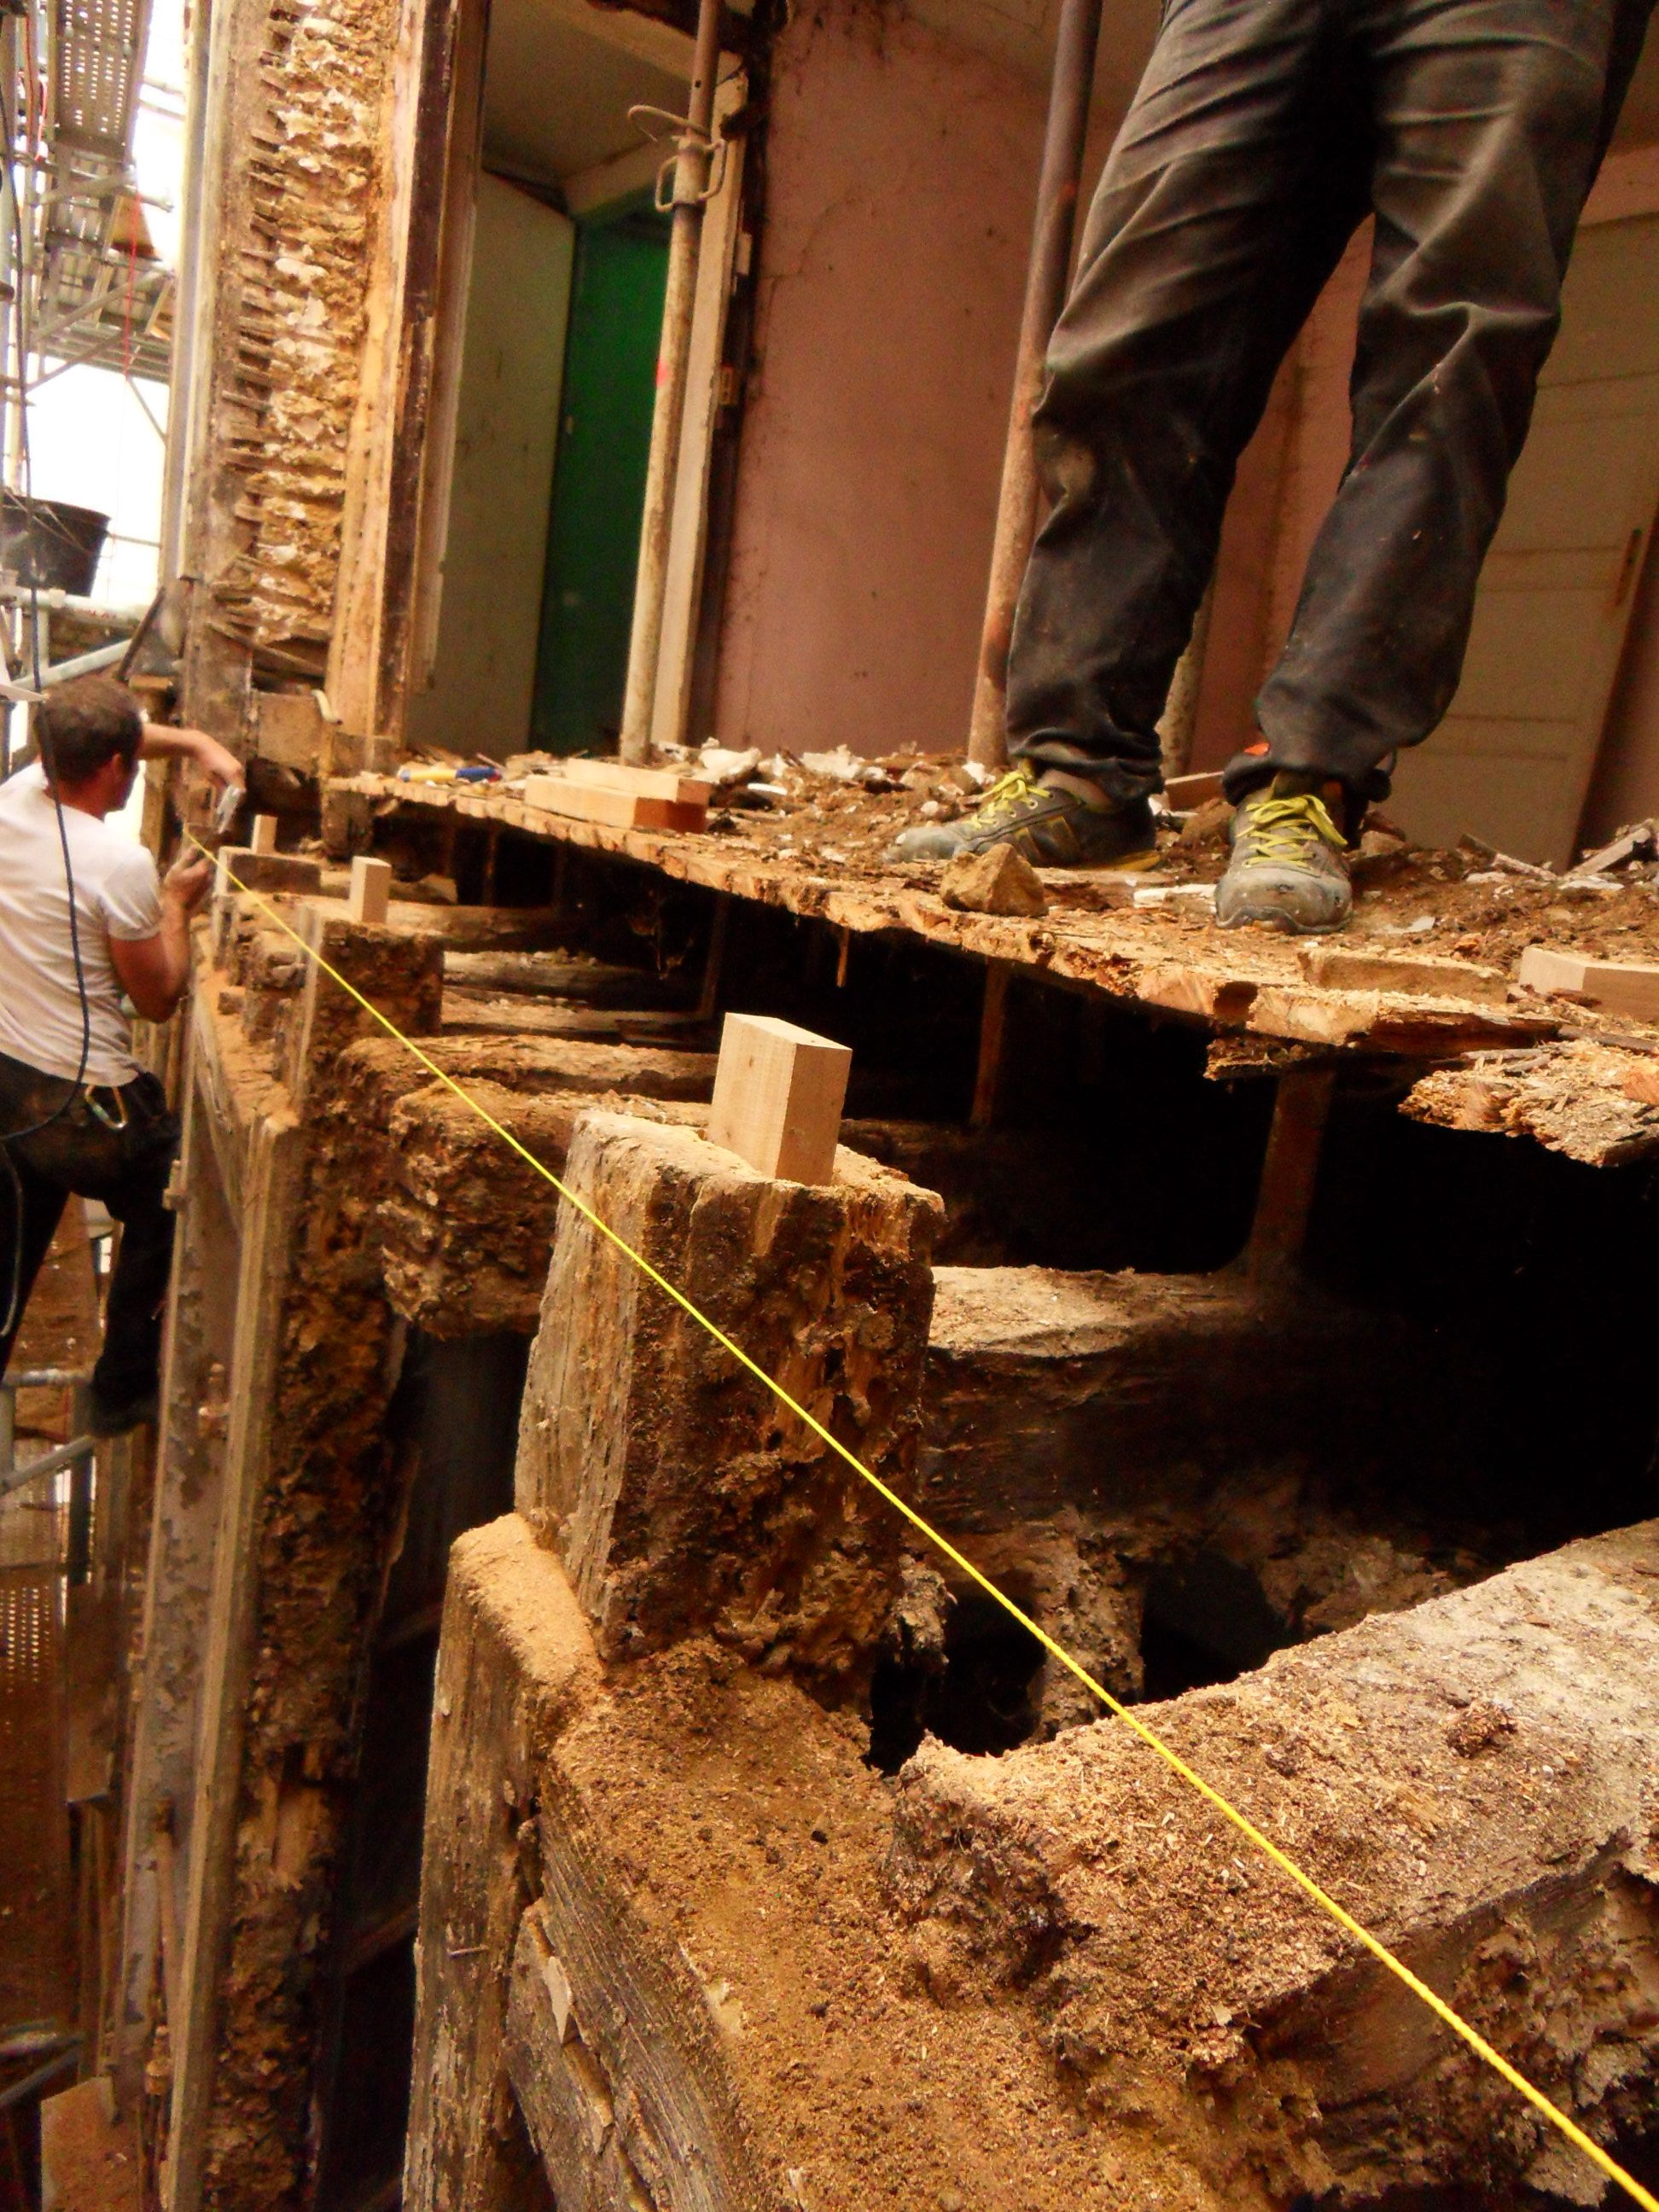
(371, 889)
(778, 1097)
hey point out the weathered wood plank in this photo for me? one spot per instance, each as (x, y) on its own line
(1120, 952)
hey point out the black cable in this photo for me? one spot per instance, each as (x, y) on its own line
(8, 1138)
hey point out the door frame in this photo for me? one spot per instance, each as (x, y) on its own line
(400, 459)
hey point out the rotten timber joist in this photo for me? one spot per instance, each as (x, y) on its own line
(1596, 1103)
(685, 1914)
(1256, 984)
(1483, 1063)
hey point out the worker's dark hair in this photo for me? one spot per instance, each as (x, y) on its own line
(85, 722)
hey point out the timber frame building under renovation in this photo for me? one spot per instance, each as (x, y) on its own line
(547, 1774)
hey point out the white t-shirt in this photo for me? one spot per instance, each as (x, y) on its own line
(116, 894)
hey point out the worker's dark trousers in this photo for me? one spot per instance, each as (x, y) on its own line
(1263, 133)
(128, 1167)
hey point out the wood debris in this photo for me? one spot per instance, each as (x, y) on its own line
(1592, 1102)
(999, 880)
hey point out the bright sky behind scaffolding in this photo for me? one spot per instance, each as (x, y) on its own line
(90, 439)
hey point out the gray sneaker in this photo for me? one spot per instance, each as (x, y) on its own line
(1050, 826)
(1289, 869)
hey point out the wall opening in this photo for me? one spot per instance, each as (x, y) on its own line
(454, 1430)
(554, 357)
(975, 1691)
(621, 270)
(1203, 1622)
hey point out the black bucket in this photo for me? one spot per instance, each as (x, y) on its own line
(50, 544)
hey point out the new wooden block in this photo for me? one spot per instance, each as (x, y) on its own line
(262, 838)
(370, 891)
(778, 1096)
(640, 782)
(1626, 987)
(617, 810)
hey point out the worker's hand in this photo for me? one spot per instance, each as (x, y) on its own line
(185, 885)
(216, 761)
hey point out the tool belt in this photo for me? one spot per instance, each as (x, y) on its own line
(89, 1128)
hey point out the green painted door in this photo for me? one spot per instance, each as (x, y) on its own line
(599, 482)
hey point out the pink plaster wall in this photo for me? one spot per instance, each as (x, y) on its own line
(902, 170)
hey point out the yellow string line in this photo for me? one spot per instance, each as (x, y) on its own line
(1172, 1759)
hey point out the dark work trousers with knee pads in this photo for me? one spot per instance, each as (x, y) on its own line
(1263, 134)
(115, 1145)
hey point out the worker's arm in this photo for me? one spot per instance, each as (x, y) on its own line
(153, 969)
(215, 760)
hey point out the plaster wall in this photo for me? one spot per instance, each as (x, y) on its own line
(901, 175)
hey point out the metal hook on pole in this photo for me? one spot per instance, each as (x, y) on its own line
(666, 196)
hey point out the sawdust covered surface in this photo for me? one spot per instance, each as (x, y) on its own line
(1408, 899)
(742, 1817)
(1427, 1768)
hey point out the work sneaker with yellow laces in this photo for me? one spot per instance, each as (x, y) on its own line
(1049, 825)
(1289, 868)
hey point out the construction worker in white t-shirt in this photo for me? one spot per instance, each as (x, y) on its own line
(77, 1114)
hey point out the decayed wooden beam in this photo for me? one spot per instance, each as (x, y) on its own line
(1424, 1028)
(179, 1570)
(1264, 987)
(466, 1230)
(559, 975)
(266, 870)
(268, 1238)
(681, 1496)
(1594, 1102)
(1490, 1841)
(993, 1028)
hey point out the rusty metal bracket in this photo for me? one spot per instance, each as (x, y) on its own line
(688, 138)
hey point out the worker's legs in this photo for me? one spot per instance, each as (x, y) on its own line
(31, 1207)
(1240, 173)
(136, 1195)
(1491, 117)
(120, 1148)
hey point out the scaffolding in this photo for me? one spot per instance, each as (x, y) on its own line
(89, 288)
